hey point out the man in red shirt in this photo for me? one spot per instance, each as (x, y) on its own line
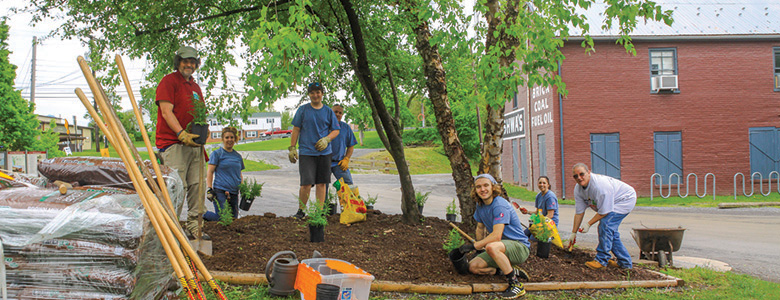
(175, 95)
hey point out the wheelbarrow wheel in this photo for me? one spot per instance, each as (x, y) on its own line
(662, 259)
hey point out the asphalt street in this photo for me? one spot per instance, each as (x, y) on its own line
(748, 239)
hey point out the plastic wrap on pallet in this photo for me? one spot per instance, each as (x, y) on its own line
(95, 242)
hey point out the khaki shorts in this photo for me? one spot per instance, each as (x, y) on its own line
(515, 251)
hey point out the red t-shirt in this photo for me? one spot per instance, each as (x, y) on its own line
(176, 89)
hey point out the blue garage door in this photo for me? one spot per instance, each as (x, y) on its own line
(515, 164)
(605, 154)
(523, 162)
(668, 155)
(542, 155)
(764, 150)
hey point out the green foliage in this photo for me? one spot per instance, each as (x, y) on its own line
(370, 200)
(421, 198)
(250, 189)
(199, 112)
(316, 214)
(287, 120)
(452, 208)
(19, 129)
(225, 213)
(422, 136)
(253, 166)
(454, 241)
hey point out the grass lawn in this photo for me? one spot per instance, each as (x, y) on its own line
(371, 141)
(699, 284)
(422, 160)
(251, 165)
(111, 152)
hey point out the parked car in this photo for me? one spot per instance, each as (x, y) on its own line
(277, 132)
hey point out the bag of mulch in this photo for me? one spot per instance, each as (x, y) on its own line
(354, 209)
(544, 229)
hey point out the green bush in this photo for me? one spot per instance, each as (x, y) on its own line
(454, 241)
(421, 136)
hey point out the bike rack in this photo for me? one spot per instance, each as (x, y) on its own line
(687, 185)
(760, 184)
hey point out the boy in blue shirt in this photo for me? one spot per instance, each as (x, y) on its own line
(315, 125)
(343, 145)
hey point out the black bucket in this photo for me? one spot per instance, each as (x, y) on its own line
(327, 291)
(316, 234)
(451, 217)
(543, 249)
(459, 261)
(245, 203)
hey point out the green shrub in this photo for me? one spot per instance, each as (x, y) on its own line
(421, 136)
(421, 198)
(454, 241)
(452, 208)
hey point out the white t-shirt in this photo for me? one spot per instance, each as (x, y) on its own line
(604, 194)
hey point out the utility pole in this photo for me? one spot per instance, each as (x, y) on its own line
(32, 81)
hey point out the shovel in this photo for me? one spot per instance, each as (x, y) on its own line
(201, 246)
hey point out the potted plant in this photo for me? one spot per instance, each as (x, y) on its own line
(330, 203)
(458, 259)
(198, 125)
(370, 200)
(317, 221)
(452, 211)
(249, 190)
(225, 212)
(421, 198)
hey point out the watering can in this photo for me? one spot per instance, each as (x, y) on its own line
(282, 278)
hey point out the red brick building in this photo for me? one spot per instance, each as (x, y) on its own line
(700, 97)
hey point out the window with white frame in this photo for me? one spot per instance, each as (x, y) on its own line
(270, 120)
(251, 134)
(777, 68)
(253, 121)
(216, 135)
(663, 61)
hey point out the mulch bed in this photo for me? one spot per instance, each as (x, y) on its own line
(385, 247)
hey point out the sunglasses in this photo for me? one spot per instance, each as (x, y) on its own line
(314, 84)
(581, 174)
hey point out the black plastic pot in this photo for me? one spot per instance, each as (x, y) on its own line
(316, 234)
(452, 217)
(420, 208)
(459, 261)
(543, 249)
(368, 207)
(245, 203)
(327, 291)
(202, 131)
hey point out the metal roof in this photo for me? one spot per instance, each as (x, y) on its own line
(700, 18)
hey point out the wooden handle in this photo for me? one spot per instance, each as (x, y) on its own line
(463, 233)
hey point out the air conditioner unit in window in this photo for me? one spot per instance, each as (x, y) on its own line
(664, 83)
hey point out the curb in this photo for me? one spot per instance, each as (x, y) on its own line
(467, 289)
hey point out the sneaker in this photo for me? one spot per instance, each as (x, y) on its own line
(299, 215)
(595, 265)
(520, 273)
(205, 237)
(515, 290)
(613, 263)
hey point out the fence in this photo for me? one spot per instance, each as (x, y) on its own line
(687, 185)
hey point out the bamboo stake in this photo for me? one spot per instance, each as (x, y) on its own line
(147, 142)
(165, 243)
(142, 189)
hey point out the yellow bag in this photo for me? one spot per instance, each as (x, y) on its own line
(544, 229)
(354, 209)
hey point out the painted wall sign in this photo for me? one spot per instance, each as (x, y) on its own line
(514, 124)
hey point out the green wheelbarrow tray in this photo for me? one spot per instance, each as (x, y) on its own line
(658, 243)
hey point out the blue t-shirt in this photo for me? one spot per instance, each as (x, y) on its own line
(227, 174)
(501, 212)
(546, 202)
(342, 142)
(314, 124)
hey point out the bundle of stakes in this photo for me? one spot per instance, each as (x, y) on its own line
(184, 259)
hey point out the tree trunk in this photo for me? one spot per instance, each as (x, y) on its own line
(395, 98)
(408, 204)
(437, 92)
(493, 146)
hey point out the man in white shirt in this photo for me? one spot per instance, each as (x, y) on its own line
(612, 200)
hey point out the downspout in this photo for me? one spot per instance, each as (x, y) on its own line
(560, 121)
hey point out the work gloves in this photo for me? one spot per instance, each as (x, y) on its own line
(186, 138)
(572, 240)
(466, 248)
(293, 156)
(211, 195)
(523, 210)
(322, 144)
(344, 164)
(585, 227)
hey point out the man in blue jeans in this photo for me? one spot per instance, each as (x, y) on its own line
(612, 200)
(343, 145)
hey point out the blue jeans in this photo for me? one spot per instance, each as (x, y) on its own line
(338, 173)
(221, 197)
(609, 240)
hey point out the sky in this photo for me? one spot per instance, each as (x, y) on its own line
(58, 73)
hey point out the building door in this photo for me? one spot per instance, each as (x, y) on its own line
(523, 162)
(542, 155)
(668, 155)
(515, 163)
(605, 154)
(764, 150)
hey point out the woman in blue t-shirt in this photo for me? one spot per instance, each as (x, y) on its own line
(546, 201)
(224, 175)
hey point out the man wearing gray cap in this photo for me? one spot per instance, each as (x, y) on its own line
(175, 96)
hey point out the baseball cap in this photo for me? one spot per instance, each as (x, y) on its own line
(314, 86)
(187, 52)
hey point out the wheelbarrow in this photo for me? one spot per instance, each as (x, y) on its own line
(659, 243)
